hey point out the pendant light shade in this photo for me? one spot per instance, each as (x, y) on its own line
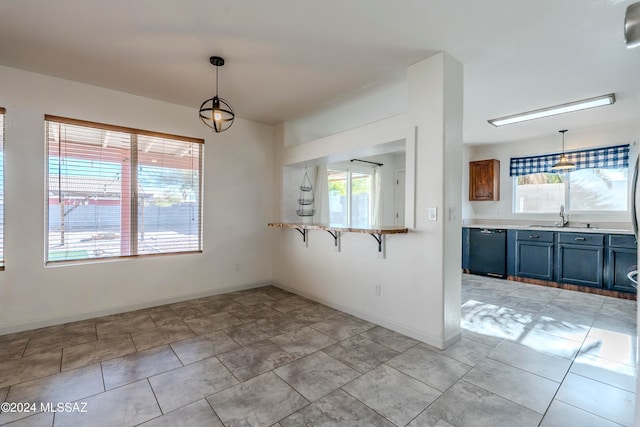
(563, 164)
(216, 113)
(632, 25)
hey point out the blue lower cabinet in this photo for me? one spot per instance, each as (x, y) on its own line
(622, 259)
(534, 260)
(581, 265)
(581, 259)
(534, 254)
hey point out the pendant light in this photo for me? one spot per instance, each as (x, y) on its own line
(632, 25)
(216, 113)
(563, 164)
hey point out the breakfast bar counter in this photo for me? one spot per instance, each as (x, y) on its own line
(378, 232)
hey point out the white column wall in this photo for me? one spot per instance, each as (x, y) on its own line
(238, 188)
(420, 291)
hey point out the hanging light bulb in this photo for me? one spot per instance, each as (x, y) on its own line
(216, 113)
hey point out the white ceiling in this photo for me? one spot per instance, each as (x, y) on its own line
(287, 58)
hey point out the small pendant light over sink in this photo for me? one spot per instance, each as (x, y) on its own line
(563, 164)
(216, 113)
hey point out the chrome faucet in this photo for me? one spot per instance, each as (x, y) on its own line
(564, 218)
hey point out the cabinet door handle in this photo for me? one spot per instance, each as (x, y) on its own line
(579, 239)
(534, 236)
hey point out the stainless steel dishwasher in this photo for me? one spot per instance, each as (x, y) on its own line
(488, 251)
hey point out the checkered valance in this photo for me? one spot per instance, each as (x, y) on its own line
(601, 158)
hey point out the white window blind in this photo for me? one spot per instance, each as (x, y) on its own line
(116, 191)
(2, 111)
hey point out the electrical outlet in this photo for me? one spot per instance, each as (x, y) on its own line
(433, 214)
(237, 266)
(378, 289)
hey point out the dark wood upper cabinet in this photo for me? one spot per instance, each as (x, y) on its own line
(484, 180)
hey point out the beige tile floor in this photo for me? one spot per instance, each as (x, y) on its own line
(529, 356)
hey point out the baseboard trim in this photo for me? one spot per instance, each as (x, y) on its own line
(453, 339)
(570, 287)
(117, 310)
(389, 324)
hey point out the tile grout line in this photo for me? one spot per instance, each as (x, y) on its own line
(213, 409)
(442, 393)
(156, 398)
(176, 354)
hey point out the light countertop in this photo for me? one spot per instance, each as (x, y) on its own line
(569, 229)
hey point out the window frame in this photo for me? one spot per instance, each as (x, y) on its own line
(133, 200)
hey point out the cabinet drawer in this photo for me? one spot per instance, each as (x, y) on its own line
(623, 241)
(581, 239)
(535, 236)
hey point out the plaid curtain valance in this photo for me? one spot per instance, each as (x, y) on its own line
(602, 158)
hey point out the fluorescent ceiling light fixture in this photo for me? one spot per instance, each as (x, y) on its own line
(598, 101)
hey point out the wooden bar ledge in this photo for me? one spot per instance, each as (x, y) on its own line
(378, 232)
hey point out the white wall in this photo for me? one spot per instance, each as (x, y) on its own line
(374, 103)
(627, 133)
(238, 187)
(420, 290)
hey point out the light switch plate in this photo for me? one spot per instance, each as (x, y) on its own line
(433, 214)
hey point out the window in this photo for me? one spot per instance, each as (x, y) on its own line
(350, 195)
(538, 192)
(598, 184)
(584, 190)
(2, 111)
(598, 190)
(116, 191)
